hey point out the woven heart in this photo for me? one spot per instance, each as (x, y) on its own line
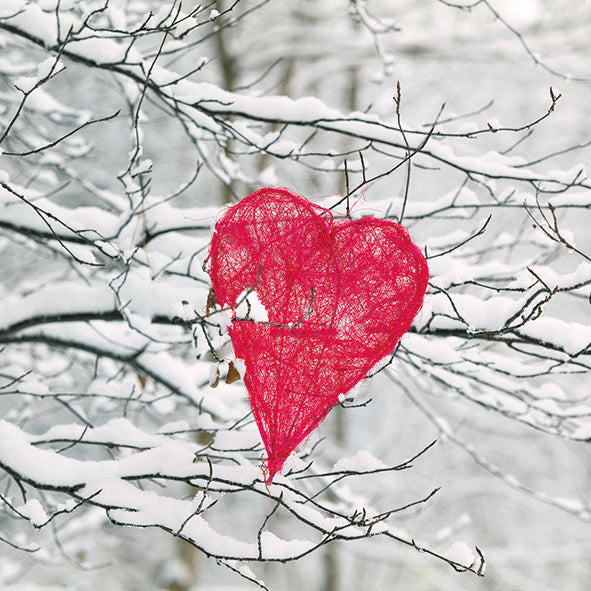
(339, 294)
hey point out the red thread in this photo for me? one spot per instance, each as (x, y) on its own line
(339, 295)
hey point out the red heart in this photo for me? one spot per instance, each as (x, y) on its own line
(339, 295)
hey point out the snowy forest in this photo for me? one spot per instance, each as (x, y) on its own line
(129, 456)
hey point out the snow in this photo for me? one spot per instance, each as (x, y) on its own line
(214, 375)
(250, 307)
(108, 248)
(461, 553)
(570, 504)
(172, 459)
(231, 440)
(44, 465)
(568, 237)
(183, 310)
(552, 278)
(474, 312)
(268, 176)
(276, 548)
(582, 432)
(443, 351)
(10, 7)
(240, 367)
(55, 300)
(205, 422)
(142, 167)
(82, 253)
(119, 431)
(81, 218)
(222, 319)
(572, 337)
(34, 387)
(174, 426)
(34, 512)
(42, 102)
(362, 461)
(471, 368)
(68, 506)
(448, 271)
(25, 83)
(468, 127)
(46, 66)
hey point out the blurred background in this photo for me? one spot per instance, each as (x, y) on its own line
(490, 64)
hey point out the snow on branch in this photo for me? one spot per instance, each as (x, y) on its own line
(122, 390)
(113, 485)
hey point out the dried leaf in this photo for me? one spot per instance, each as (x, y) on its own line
(233, 375)
(211, 301)
(217, 379)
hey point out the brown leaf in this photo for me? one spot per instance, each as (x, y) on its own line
(233, 375)
(217, 378)
(211, 301)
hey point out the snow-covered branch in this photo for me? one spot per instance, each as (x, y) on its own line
(121, 145)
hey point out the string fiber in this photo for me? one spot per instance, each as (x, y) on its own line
(339, 295)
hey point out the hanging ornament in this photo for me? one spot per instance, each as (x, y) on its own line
(337, 296)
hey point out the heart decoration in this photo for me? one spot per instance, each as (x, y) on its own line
(339, 295)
